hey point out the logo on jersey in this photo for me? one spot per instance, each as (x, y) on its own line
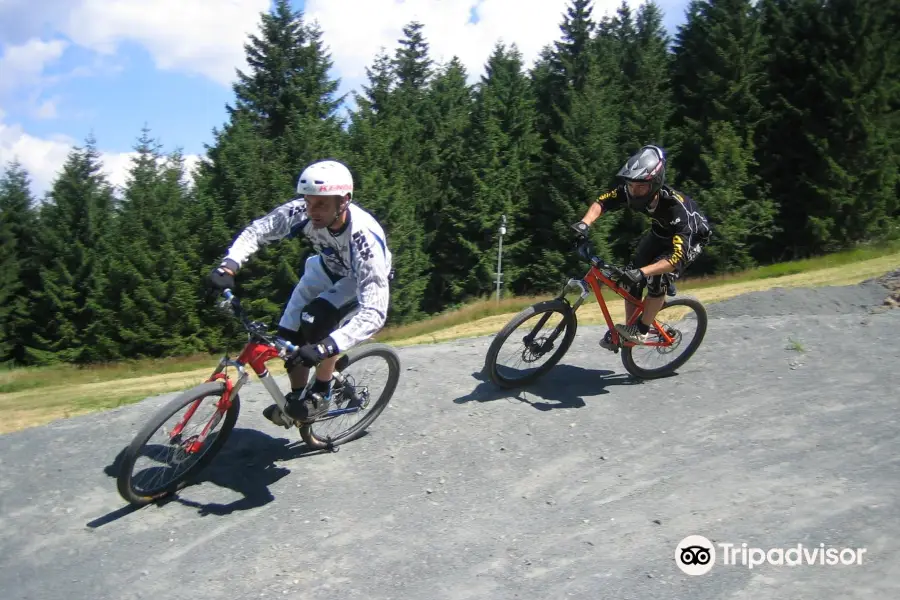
(362, 246)
(606, 196)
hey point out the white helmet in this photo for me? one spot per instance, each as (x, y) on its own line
(326, 177)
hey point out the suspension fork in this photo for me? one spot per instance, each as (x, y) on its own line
(584, 290)
(222, 405)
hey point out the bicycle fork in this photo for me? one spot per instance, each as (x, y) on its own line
(548, 344)
(222, 405)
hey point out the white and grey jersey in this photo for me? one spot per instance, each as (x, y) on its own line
(359, 252)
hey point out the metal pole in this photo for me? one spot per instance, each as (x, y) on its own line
(500, 255)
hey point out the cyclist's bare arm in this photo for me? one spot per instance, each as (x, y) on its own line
(593, 213)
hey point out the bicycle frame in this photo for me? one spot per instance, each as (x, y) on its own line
(255, 354)
(592, 282)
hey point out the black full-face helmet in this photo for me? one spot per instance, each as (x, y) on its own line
(644, 174)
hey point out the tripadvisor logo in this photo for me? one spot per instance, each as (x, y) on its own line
(696, 555)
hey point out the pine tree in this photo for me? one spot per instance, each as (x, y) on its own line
(651, 103)
(505, 150)
(718, 77)
(288, 75)
(133, 276)
(10, 289)
(412, 65)
(18, 269)
(831, 150)
(244, 178)
(579, 126)
(183, 333)
(639, 47)
(151, 284)
(739, 226)
(718, 74)
(447, 158)
(390, 151)
(73, 321)
(315, 130)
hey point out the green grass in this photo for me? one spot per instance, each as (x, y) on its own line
(469, 312)
(795, 267)
(795, 345)
(28, 378)
(488, 307)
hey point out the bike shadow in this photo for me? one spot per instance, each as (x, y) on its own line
(563, 387)
(247, 464)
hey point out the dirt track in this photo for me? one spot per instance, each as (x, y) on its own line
(580, 487)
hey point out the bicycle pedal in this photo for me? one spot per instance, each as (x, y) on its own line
(276, 417)
(609, 346)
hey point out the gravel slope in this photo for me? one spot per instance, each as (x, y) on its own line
(580, 487)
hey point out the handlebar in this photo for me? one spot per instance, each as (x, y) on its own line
(256, 328)
(586, 250)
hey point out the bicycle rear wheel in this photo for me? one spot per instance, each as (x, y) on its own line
(358, 400)
(679, 317)
(535, 343)
(180, 457)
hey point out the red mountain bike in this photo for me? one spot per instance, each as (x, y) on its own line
(670, 337)
(190, 442)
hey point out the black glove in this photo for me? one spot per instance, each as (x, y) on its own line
(634, 277)
(580, 227)
(312, 354)
(222, 279)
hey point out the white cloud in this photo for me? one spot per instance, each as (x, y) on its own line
(23, 65)
(355, 30)
(43, 158)
(204, 37)
(197, 36)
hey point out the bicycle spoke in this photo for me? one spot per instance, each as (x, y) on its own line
(169, 454)
(369, 381)
(680, 324)
(531, 343)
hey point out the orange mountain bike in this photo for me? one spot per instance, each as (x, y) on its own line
(671, 339)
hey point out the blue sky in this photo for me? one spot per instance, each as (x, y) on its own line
(70, 68)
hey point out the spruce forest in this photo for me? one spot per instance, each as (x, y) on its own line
(779, 117)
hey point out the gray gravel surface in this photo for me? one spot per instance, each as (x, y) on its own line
(579, 487)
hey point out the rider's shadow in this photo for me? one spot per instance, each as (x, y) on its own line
(246, 464)
(564, 386)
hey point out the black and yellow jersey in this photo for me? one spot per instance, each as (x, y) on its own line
(676, 217)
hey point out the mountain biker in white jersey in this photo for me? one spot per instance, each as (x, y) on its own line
(349, 274)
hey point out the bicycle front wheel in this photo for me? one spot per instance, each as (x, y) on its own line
(548, 326)
(177, 455)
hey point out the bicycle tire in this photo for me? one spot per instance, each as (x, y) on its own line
(546, 306)
(351, 356)
(131, 454)
(702, 321)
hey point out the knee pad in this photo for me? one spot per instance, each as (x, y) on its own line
(318, 319)
(656, 286)
(661, 285)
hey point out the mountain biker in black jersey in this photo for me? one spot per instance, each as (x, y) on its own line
(677, 235)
